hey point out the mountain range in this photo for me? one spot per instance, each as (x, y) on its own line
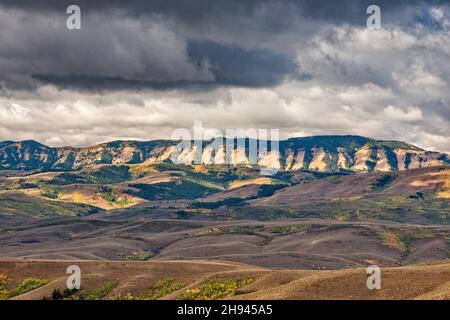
(317, 153)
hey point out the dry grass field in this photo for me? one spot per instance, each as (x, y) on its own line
(227, 280)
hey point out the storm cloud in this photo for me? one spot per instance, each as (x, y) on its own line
(139, 69)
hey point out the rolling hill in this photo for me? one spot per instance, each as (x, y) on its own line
(200, 280)
(338, 204)
(317, 153)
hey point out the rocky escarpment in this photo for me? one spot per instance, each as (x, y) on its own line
(318, 153)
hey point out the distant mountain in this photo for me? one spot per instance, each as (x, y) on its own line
(316, 153)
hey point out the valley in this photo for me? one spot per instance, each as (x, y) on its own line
(299, 225)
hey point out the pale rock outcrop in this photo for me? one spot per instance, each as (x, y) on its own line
(238, 156)
(270, 160)
(401, 159)
(126, 155)
(207, 157)
(414, 159)
(361, 157)
(299, 160)
(318, 163)
(342, 159)
(431, 159)
(382, 161)
(289, 159)
(219, 157)
(160, 154)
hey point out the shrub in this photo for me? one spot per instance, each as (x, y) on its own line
(403, 240)
(263, 191)
(98, 294)
(408, 242)
(136, 255)
(50, 193)
(3, 294)
(215, 289)
(383, 181)
(107, 193)
(103, 175)
(161, 289)
(58, 295)
(335, 179)
(217, 204)
(268, 190)
(127, 296)
(4, 280)
(417, 196)
(27, 285)
(27, 185)
(170, 190)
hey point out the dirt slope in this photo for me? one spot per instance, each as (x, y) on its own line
(427, 281)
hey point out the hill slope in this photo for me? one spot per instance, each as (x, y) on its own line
(318, 153)
(186, 279)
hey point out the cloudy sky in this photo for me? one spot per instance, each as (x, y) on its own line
(139, 69)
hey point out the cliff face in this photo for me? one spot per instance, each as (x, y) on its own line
(319, 153)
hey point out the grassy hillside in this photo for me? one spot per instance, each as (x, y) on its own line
(22, 205)
(208, 280)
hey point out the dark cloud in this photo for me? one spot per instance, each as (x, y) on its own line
(233, 65)
(169, 43)
(196, 11)
(109, 47)
(187, 11)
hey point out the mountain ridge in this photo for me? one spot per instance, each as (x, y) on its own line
(323, 153)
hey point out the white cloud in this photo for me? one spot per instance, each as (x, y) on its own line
(412, 114)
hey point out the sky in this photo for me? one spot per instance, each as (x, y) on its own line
(140, 69)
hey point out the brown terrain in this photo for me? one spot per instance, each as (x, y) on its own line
(143, 228)
(310, 243)
(424, 281)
